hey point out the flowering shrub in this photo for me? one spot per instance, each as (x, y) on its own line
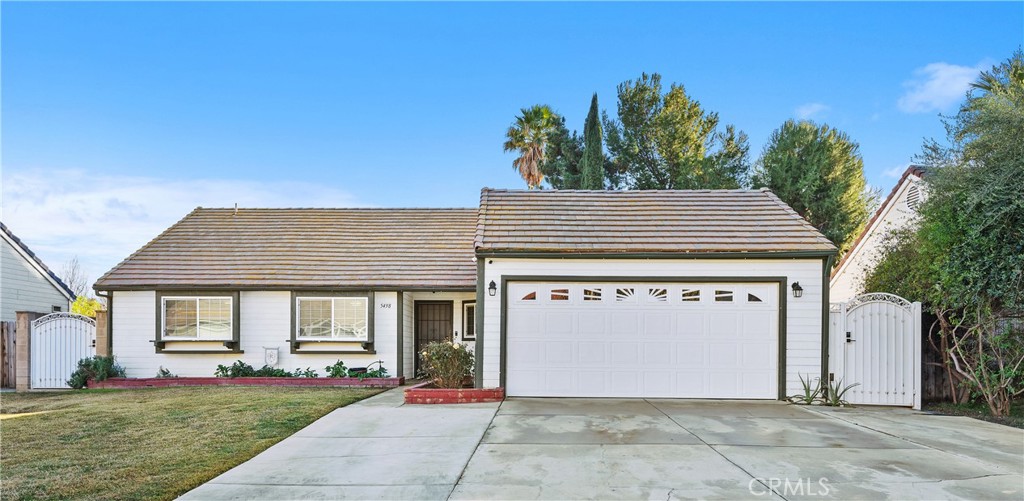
(447, 364)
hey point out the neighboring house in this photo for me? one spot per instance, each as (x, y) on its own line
(26, 284)
(898, 211)
(567, 293)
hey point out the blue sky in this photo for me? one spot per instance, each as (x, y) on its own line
(119, 118)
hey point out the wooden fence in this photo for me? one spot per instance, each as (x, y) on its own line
(8, 333)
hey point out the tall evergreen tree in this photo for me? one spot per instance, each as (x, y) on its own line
(669, 141)
(819, 172)
(593, 153)
(561, 166)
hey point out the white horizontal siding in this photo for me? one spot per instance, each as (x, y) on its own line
(24, 288)
(265, 323)
(803, 323)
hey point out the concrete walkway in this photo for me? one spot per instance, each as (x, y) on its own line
(377, 448)
(631, 449)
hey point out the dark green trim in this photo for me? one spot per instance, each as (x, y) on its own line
(416, 324)
(478, 345)
(400, 355)
(659, 255)
(233, 345)
(466, 302)
(783, 307)
(826, 271)
(280, 288)
(294, 344)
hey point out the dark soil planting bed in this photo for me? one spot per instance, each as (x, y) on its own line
(335, 382)
(424, 393)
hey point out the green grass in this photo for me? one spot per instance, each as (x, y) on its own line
(145, 444)
(980, 410)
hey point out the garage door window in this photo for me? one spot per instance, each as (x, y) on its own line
(690, 295)
(625, 295)
(591, 294)
(657, 295)
(723, 296)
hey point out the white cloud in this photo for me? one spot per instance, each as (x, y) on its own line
(937, 87)
(895, 171)
(103, 219)
(810, 110)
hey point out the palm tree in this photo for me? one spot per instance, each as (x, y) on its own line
(1004, 78)
(529, 136)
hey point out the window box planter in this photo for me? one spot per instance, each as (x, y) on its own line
(328, 382)
(425, 393)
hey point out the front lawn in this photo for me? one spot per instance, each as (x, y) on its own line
(145, 444)
(980, 411)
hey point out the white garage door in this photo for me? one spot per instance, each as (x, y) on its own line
(672, 340)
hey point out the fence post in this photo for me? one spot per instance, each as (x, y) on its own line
(22, 343)
(102, 344)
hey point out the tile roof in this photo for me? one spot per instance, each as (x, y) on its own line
(314, 248)
(39, 264)
(664, 221)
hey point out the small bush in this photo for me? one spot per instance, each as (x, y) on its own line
(95, 369)
(447, 364)
(164, 373)
(380, 371)
(242, 369)
(337, 369)
(305, 373)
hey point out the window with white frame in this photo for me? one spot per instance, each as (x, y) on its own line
(331, 318)
(469, 321)
(197, 318)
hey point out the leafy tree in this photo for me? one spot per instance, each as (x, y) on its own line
(561, 166)
(86, 306)
(969, 263)
(819, 172)
(666, 141)
(528, 135)
(593, 152)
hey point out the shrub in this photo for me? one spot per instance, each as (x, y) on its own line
(95, 369)
(447, 364)
(242, 369)
(309, 372)
(337, 369)
(164, 373)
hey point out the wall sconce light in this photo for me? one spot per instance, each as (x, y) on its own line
(797, 290)
(492, 289)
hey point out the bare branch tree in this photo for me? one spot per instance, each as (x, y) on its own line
(74, 277)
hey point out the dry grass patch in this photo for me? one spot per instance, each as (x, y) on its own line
(146, 444)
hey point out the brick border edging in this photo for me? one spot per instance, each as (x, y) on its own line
(170, 382)
(420, 394)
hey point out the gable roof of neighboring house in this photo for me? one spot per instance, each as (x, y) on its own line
(911, 175)
(656, 221)
(305, 248)
(35, 262)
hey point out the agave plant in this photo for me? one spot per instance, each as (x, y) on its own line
(810, 391)
(834, 393)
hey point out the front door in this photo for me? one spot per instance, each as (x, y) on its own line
(433, 323)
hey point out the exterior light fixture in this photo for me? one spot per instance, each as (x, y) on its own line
(492, 289)
(797, 290)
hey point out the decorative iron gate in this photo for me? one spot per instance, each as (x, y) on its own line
(875, 343)
(58, 342)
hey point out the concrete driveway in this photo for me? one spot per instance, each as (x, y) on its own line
(636, 449)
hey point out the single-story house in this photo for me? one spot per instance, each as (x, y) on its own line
(897, 211)
(692, 294)
(26, 283)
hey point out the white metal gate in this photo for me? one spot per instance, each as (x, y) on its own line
(58, 342)
(875, 342)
